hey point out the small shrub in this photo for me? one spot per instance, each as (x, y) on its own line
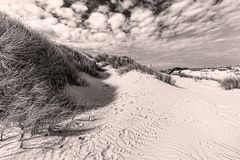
(230, 83)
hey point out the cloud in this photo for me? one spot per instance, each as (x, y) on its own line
(33, 9)
(116, 20)
(180, 17)
(179, 6)
(50, 5)
(147, 21)
(194, 10)
(64, 12)
(101, 36)
(50, 21)
(139, 14)
(120, 35)
(97, 21)
(79, 7)
(102, 9)
(127, 3)
(171, 26)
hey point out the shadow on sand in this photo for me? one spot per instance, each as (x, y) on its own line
(97, 94)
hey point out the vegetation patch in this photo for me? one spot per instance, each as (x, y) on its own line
(180, 74)
(231, 83)
(126, 64)
(33, 73)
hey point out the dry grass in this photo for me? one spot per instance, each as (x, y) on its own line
(126, 64)
(196, 77)
(231, 83)
(227, 83)
(33, 73)
(82, 61)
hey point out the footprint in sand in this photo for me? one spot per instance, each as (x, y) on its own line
(188, 119)
(108, 154)
(143, 116)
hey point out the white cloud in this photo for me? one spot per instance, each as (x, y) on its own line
(143, 23)
(97, 21)
(116, 20)
(179, 6)
(50, 21)
(127, 3)
(114, 1)
(120, 35)
(79, 7)
(64, 12)
(135, 31)
(139, 14)
(101, 36)
(52, 4)
(147, 22)
(70, 23)
(62, 31)
(33, 9)
(148, 29)
(194, 10)
(36, 24)
(103, 9)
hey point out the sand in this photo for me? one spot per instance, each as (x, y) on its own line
(141, 118)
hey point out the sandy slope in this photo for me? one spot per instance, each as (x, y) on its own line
(145, 119)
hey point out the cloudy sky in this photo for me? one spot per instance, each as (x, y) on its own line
(163, 33)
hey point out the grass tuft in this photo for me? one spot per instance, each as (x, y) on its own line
(231, 83)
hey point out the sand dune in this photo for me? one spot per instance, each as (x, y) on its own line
(145, 119)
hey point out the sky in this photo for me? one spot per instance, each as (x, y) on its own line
(164, 33)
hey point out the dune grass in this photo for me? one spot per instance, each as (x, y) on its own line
(181, 74)
(33, 74)
(82, 61)
(126, 64)
(231, 83)
(228, 83)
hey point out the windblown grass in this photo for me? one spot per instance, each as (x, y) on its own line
(126, 64)
(33, 74)
(82, 61)
(227, 83)
(181, 74)
(231, 83)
